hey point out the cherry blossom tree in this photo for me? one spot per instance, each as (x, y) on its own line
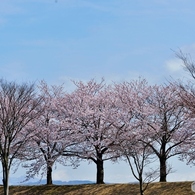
(161, 115)
(18, 109)
(133, 141)
(92, 115)
(186, 92)
(52, 137)
(187, 95)
(167, 125)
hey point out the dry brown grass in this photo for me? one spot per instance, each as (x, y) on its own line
(169, 188)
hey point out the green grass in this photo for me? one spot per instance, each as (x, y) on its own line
(169, 188)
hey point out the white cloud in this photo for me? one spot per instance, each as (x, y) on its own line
(174, 65)
(60, 175)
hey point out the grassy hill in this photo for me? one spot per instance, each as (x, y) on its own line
(169, 188)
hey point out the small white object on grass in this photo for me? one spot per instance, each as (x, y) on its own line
(193, 186)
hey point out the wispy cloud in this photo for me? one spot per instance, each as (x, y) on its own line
(8, 7)
(14, 71)
(2, 21)
(40, 43)
(174, 65)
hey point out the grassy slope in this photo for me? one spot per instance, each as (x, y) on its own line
(169, 188)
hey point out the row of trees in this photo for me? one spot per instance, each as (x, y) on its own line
(135, 121)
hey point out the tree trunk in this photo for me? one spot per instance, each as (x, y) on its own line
(162, 158)
(49, 175)
(141, 186)
(5, 180)
(100, 170)
(163, 169)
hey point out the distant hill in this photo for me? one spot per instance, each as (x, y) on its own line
(58, 182)
(20, 181)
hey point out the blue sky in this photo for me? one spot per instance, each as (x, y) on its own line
(83, 39)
